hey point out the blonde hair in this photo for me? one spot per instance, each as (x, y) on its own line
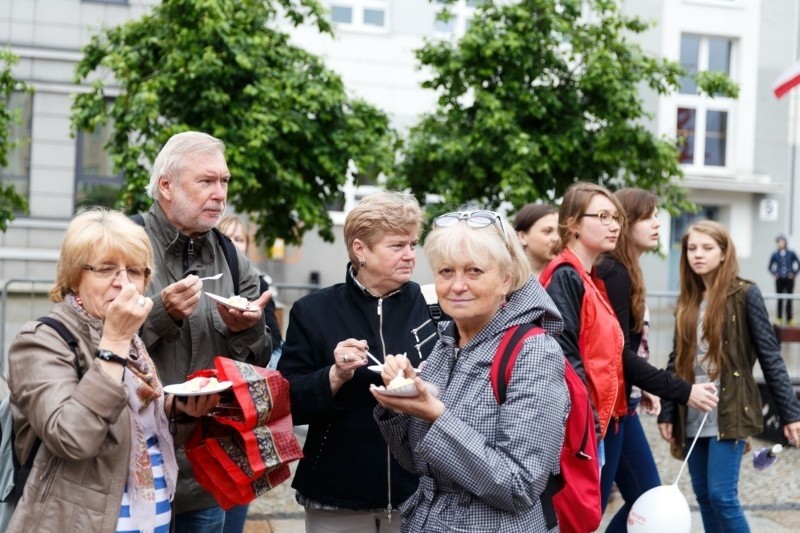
(230, 223)
(687, 309)
(496, 244)
(170, 160)
(380, 214)
(106, 231)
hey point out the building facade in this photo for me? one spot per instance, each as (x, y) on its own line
(738, 155)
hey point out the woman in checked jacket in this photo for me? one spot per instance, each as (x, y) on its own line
(482, 466)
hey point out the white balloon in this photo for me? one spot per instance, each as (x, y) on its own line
(660, 510)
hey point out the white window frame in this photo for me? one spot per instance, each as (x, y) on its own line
(21, 133)
(702, 104)
(359, 7)
(461, 13)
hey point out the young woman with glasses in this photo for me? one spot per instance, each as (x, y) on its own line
(590, 220)
(483, 466)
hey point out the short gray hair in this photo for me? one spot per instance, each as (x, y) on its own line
(169, 161)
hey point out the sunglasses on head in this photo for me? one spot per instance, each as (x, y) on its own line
(473, 219)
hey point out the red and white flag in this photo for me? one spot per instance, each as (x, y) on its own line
(787, 80)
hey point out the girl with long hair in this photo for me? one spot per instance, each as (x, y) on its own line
(721, 329)
(629, 461)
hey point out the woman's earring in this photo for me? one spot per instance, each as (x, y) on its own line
(362, 263)
(504, 303)
(577, 234)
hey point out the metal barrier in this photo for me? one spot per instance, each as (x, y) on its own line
(662, 324)
(33, 301)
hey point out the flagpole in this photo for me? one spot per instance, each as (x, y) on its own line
(793, 135)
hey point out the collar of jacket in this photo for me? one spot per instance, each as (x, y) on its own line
(738, 284)
(168, 235)
(353, 282)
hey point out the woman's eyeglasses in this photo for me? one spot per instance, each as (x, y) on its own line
(604, 218)
(474, 219)
(113, 272)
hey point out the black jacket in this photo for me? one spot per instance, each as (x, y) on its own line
(637, 370)
(346, 461)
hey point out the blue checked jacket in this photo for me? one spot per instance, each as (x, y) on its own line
(483, 466)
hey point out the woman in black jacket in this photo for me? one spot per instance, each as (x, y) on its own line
(348, 480)
(629, 461)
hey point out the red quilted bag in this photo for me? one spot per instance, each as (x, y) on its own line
(244, 446)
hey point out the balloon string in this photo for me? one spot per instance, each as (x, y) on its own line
(691, 447)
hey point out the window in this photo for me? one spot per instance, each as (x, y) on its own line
(361, 14)
(95, 181)
(18, 160)
(462, 12)
(703, 122)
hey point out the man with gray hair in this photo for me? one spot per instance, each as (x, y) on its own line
(184, 331)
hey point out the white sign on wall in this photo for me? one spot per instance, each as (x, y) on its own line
(768, 210)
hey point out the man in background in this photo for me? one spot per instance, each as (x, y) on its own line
(784, 266)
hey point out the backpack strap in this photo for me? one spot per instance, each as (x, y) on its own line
(68, 337)
(228, 250)
(500, 376)
(506, 356)
(24, 470)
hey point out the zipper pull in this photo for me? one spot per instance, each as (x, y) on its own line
(389, 512)
(190, 247)
(380, 306)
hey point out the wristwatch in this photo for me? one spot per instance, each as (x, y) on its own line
(111, 357)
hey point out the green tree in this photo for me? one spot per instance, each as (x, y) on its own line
(11, 201)
(538, 95)
(223, 67)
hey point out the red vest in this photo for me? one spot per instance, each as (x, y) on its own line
(600, 342)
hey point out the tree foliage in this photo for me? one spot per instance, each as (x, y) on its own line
(224, 67)
(536, 95)
(11, 201)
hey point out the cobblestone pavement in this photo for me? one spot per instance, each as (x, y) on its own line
(771, 497)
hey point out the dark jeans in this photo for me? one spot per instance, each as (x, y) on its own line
(209, 520)
(714, 467)
(235, 517)
(629, 463)
(784, 286)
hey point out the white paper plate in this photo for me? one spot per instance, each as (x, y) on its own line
(406, 391)
(226, 303)
(379, 368)
(178, 389)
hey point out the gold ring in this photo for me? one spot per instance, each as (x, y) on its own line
(140, 300)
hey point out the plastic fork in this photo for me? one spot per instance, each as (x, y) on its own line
(212, 277)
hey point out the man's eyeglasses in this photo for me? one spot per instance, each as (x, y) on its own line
(605, 218)
(113, 272)
(474, 219)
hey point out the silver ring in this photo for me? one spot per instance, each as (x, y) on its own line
(140, 300)
(346, 358)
